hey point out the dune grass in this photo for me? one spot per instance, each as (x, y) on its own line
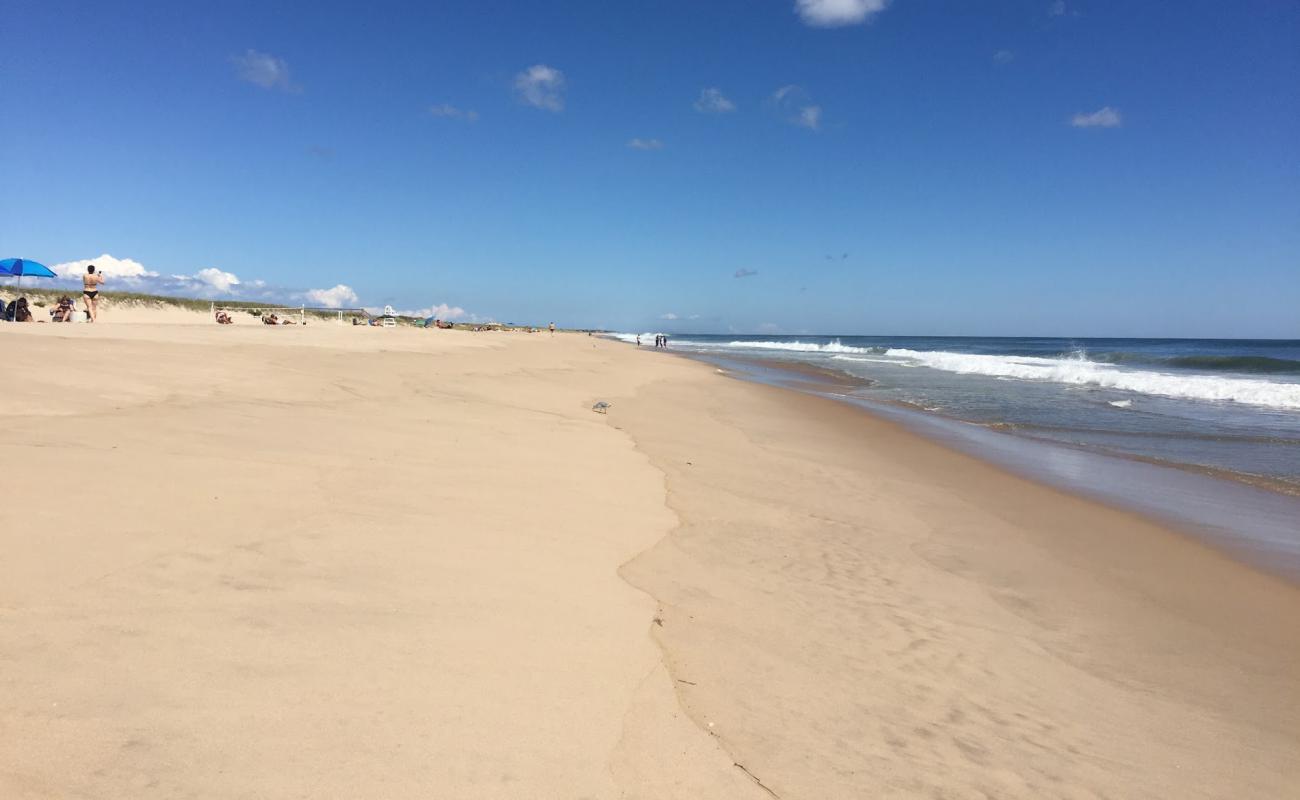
(43, 297)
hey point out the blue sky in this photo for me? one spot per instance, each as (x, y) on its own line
(1020, 168)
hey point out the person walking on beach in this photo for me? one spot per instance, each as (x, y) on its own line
(552, 328)
(90, 283)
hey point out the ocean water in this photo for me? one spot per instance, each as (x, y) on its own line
(1230, 405)
(1159, 425)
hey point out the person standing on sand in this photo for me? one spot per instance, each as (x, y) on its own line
(90, 283)
(552, 328)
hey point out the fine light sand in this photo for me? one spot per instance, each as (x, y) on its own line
(333, 562)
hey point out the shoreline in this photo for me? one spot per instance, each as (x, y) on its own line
(856, 610)
(1227, 501)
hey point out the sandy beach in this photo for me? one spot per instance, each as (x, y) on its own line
(332, 562)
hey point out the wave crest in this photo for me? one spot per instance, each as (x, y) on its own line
(1081, 372)
(808, 347)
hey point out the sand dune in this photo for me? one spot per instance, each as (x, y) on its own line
(325, 561)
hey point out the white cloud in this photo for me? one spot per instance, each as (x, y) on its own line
(265, 70)
(542, 87)
(130, 275)
(444, 311)
(669, 316)
(712, 101)
(1106, 117)
(448, 111)
(106, 265)
(440, 311)
(793, 103)
(221, 281)
(1056, 9)
(744, 273)
(645, 144)
(1004, 56)
(837, 13)
(337, 297)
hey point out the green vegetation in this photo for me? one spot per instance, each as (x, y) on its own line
(40, 297)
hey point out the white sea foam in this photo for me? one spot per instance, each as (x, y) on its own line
(1081, 372)
(630, 338)
(1120, 403)
(801, 347)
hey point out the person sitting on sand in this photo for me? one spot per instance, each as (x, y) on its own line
(90, 283)
(63, 311)
(21, 312)
(224, 319)
(270, 319)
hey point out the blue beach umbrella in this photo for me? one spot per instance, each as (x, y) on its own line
(18, 267)
(21, 267)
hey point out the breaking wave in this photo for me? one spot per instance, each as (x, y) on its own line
(1082, 372)
(807, 347)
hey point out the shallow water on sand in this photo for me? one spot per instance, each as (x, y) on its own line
(1223, 405)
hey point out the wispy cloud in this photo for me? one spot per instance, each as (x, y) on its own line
(645, 144)
(713, 101)
(321, 151)
(542, 87)
(1056, 9)
(447, 111)
(810, 117)
(670, 316)
(1106, 117)
(264, 70)
(1004, 56)
(794, 104)
(744, 273)
(837, 13)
